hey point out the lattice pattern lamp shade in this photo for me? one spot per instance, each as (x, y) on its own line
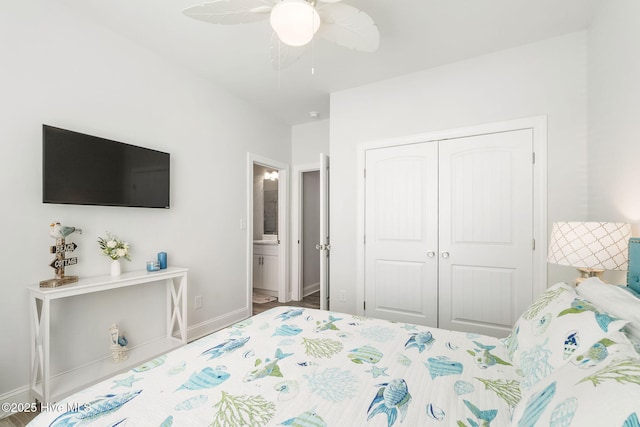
(591, 247)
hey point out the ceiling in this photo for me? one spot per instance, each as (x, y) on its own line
(414, 35)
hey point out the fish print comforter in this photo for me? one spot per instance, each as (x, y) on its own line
(302, 367)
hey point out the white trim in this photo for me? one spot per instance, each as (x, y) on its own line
(311, 289)
(212, 325)
(539, 126)
(296, 227)
(20, 396)
(283, 225)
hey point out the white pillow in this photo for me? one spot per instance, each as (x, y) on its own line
(615, 300)
(597, 387)
(557, 325)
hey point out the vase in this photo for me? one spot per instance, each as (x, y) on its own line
(115, 267)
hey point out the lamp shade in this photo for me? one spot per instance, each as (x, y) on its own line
(591, 245)
(294, 21)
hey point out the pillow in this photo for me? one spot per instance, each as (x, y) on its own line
(599, 386)
(616, 300)
(555, 326)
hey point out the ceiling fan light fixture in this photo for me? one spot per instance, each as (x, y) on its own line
(294, 21)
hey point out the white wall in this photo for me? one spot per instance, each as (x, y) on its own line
(545, 78)
(614, 112)
(62, 70)
(308, 141)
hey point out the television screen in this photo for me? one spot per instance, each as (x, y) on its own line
(87, 170)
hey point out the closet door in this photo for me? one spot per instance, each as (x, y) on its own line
(486, 231)
(401, 233)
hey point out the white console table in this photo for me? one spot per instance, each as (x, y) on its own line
(47, 388)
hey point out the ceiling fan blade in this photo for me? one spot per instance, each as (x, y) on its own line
(231, 12)
(283, 55)
(349, 27)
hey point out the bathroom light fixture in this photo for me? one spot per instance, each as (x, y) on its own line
(591, 247)
(271, 176)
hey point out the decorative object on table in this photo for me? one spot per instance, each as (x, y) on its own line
(118, 344)
(162, 260)
(591, 247)
(633, 275)
(60, 232)
(153, 266)
(115, 249)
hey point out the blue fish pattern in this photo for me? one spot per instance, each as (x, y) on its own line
(94, 410)
(287, 331)
(443, 366)
(483, 357)
(632, 421)
(391, 398)
(191, 403)
(365, 354)
(483, 418)
(289, 314)
(360, 372)
(420, 340)
(579, 306)
(327, 325)
(168, 422)
(267, 368)
(536, 406)
(207, 378)
(152, 364)
(225, 347)
(306, 419)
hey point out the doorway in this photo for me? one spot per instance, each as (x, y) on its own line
(305, 271)
(267, 205)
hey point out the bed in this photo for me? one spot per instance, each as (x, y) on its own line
(567, 362)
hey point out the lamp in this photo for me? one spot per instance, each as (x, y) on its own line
(591, 247)
(294, 21)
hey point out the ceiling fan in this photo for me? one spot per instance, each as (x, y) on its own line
(295, 22)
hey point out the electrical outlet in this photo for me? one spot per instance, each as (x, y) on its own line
(342, 296)
(197, 303)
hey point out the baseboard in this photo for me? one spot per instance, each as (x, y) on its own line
(310, 289)
(23, 396)
(20, 396)
(212, 325)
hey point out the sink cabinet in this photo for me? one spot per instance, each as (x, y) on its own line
(265, 267)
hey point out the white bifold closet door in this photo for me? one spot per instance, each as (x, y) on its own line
(401, 231)
(449, 232)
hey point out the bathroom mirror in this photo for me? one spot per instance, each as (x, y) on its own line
(270, 194)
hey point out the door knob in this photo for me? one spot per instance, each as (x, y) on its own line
(444, 254)
(319, 246)
(431, 254)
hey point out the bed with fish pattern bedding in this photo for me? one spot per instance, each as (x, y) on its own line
(567, 362)
(304, 367)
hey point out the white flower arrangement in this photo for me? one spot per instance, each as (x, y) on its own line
(113, 247)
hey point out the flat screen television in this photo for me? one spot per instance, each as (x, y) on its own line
(82, 169)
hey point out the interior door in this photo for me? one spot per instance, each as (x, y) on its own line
(486, 231)
(401, 233)
(325, 243)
